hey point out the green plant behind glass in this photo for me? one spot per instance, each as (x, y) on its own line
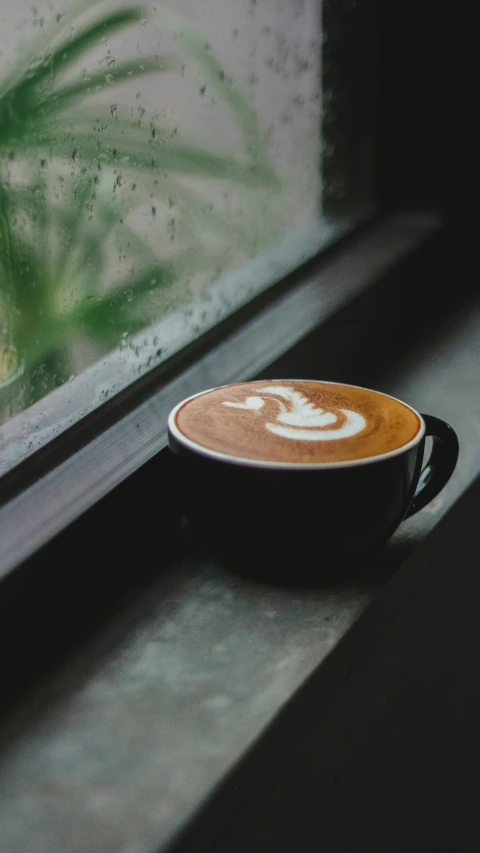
(58, 227)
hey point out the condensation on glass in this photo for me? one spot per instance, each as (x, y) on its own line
(160, 164)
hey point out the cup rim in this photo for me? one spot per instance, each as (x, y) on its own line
(243, 461)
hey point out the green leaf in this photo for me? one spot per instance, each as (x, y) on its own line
(6, 250)
(46, 371)
(71, 49)
(111, 316)
(64, 98)
(221, 82)
(41, 44)
(31, 216)
(40, 116)
(132, 149)
(227, 91)
(136, 245)
(29, 280)
(71, 220)
(34, 90)
(20, 96)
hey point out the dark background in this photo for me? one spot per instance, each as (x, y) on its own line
(413, 108)
(386, 111)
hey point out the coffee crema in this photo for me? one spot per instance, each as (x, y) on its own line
(294, 422)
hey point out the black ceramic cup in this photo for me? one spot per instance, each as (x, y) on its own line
(274, 517)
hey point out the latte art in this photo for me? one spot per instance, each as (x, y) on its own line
(304, 421)
(293, 422)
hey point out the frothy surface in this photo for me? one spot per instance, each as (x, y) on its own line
(296, 421)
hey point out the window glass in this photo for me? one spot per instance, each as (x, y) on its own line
(159, 166)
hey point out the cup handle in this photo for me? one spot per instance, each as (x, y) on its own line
(440, 466)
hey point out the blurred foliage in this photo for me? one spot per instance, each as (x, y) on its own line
(59, 224)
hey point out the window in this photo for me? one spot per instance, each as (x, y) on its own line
(159, 166)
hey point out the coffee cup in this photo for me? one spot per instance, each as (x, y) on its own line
(289, 475)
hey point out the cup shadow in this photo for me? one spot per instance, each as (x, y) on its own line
(311, 567)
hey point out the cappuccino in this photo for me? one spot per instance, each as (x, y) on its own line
(294, 422)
